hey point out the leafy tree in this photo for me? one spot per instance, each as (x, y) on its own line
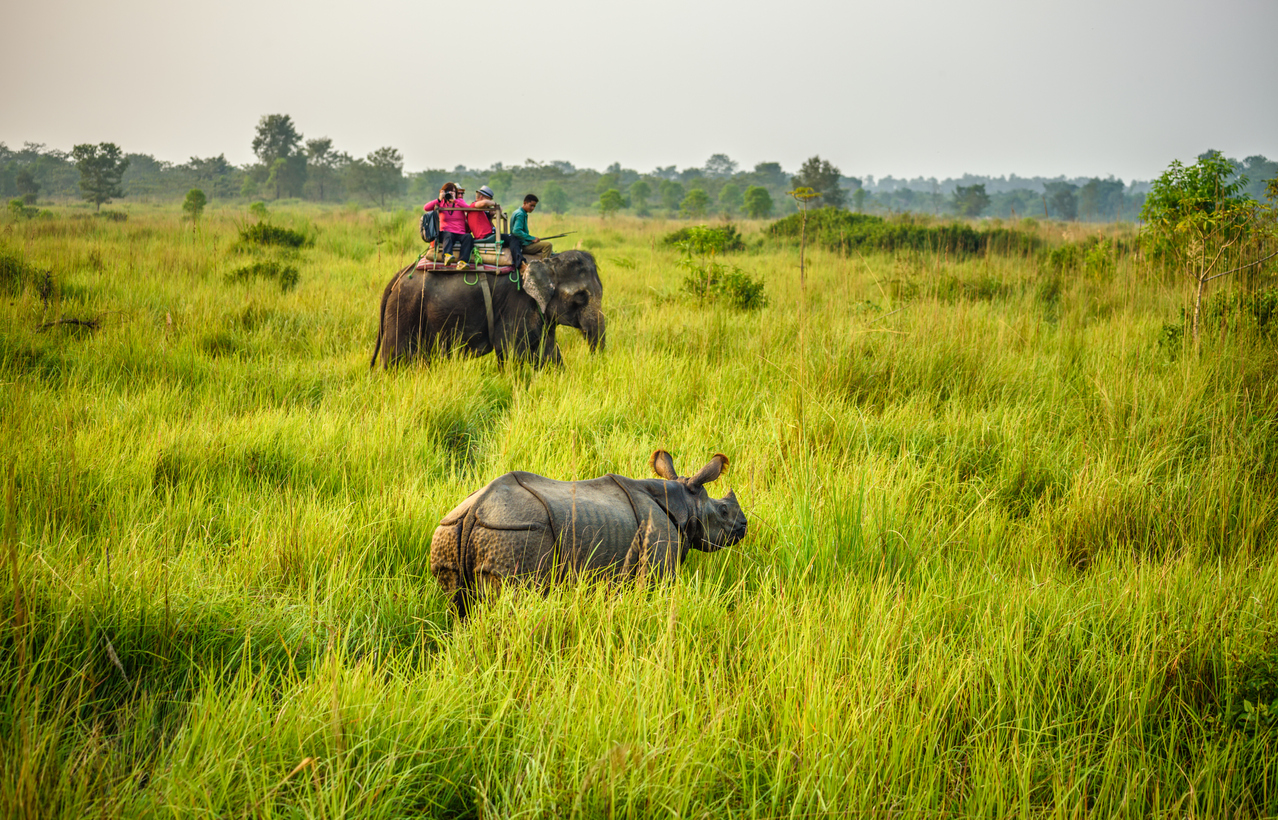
(671, 195)
(277, 138)
(101, 168)
(720, 165)
(640, 193)
(27, 186)
(858, 199)
(555, 198)
(194, 204)
(730, 198)
(694, 205)
(501, 181)
(321, 161)
(1101, 198)
(970, 200)
(606, 182)
(758, 202)
(823, 178)
(770, 174)
(1060, 197)
(611, 201)
(214, 172)
(1197, 218)
(381, 174)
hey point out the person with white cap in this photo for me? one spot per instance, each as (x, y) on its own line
(480, 224)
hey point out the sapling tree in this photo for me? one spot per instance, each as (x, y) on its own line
(194, 204)
(611, 201)
(802, 195)
(1198, 220)
(101, 169)
(758, 202)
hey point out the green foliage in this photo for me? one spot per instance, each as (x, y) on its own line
(555, 199)
(671, 194)
(264, 233)
(823, 178)
(758, 202)
(1062, 202)
(27, 186)
(845, 231)
(695, 204)
(1187, 201)
(730, 198)
(971, 200)
(18, 210)
(706, 277)
(380, 175)
(705, 239)
(194, 203)
(284, 274)
(258, 209)
(611, 201)
(640, 193)
(101, 168)
(16, 274)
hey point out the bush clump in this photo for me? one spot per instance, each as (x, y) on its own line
(841, 230)
(719, 239)
(286, 275)
(16, 275)
(264, 233)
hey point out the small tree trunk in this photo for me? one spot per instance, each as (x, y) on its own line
(803, 238)
(1198, 302)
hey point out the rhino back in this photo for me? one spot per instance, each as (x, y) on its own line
(595, 520)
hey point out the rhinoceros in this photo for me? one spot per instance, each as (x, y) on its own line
(523, 526)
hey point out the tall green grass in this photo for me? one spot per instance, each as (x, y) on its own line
(1011, 552)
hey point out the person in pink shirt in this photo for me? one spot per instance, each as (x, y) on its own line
(452, 224)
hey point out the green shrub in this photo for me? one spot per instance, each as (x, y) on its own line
(841, 230)
(705, 239)
(19, 210)
(16, 274)
(286, 275)
(263, 233)
(112, 216)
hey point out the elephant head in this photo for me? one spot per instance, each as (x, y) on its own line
(712, 523)
(568, 292)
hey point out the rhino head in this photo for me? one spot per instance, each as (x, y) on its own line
(712, 523)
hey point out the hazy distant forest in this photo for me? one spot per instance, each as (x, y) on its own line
(291, 166)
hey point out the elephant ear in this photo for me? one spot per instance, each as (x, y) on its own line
(538, 281)
(663, 465)
(711, 471)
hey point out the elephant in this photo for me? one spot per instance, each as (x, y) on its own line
(524, 527)
(442, 311)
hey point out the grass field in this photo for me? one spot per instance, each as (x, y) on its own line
(1011, 548)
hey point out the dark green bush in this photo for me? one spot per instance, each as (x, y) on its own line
(845, 231)
(264, 233)
(717, 239)
(286, 275)
(16, 274)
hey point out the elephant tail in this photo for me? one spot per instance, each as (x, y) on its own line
(381, 313)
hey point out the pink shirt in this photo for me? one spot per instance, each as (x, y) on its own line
(451, 221)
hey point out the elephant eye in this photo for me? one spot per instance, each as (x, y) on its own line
(581, 298)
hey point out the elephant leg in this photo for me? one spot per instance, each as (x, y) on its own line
(549, 352)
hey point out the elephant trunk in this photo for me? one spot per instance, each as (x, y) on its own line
(592, 327)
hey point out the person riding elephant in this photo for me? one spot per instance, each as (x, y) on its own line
(437, 312)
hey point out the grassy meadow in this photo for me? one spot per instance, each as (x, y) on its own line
(1011, 548)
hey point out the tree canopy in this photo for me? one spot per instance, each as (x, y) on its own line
(101, 169)
(823, 178)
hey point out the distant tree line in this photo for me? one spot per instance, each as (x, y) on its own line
(289, 165)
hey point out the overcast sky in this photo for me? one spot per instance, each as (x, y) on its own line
(910, 87)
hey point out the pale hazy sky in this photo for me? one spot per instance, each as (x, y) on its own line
(911, 87)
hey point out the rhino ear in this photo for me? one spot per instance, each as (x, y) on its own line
(663, 465)
(538, 281)
(711, 471)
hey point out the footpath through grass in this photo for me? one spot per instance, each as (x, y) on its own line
(1011, 550)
